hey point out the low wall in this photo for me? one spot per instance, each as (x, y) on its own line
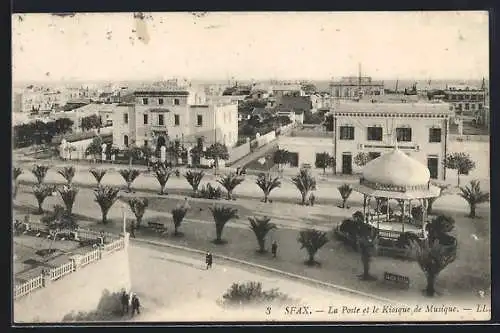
(239, 152)
(76, 291)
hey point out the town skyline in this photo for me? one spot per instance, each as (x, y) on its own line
(245, 46)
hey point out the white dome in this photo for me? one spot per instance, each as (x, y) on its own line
(396, 169)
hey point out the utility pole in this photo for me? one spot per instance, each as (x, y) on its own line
(359, 81)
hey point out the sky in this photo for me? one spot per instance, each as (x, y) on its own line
(258, 45)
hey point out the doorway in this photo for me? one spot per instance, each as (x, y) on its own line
(160, 143)
(432, 164)
(347, 164)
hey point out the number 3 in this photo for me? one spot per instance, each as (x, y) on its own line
(268, 310)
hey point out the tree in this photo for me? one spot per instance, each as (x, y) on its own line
(260, 227)
(196, 153)
(324, 160)
(40, 171)
(68, 173)
(178, 215)
(216, 152)
(138, 207)
(312, 240)
(129, 175)
(16, 173)
(361, 159)
(305, 183)
(267, 184)
(194, 178)
(95, 148)
(432, 257)
(281, 156)
(474, 196)
(59, 219)
(430, 201)
(439, 227)
(147, 152)
(133, 153)
(98, 174)
(221, 216)
(91, 122)
(105, 197)
(41, 192)
(230, 181)
(461, 162)
(345, 191)
(162, 175)
(68, 194)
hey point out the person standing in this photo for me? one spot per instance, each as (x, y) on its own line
(124, 301)
(136, 304)
(209, 260)
(274, 248)
(312, 199)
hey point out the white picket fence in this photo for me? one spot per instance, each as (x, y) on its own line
(28, 287)
(69, 267)
(90, 257)
(58, 272)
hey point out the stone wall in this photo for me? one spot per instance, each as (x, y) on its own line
(79, 291)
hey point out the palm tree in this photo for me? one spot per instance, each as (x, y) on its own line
(267, 184)
(312, 240)
(40, 171)
(305, 183)
(129, 175)
(68, 172)
(68, 194)
(178, 215)
(230, 181)
(345, 191)
(194, 178)
(41, 192)
(105, 197)
(432, 257)
(138, 207)
(98, 174)
(162, 175)
(474, 196)
(221, 216)
(16, 173)
(260, 227)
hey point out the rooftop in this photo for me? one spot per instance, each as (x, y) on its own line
(153, 92)
(398, 108)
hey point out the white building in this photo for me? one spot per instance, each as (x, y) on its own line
(419, 129)
(159, 117)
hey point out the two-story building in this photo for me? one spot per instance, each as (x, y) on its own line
(465, 100)
(159, 117)
(419, 129)
(353, 87)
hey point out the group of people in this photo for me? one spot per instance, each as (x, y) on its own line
(130, 301)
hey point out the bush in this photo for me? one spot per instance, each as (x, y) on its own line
(108, 309)
(251, 293)
(210, 192)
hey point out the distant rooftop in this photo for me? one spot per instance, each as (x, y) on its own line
(160, 92)
(397, 108)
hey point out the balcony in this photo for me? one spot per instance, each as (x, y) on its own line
(159, 128)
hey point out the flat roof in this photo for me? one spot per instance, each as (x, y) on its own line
(392, 108)
(151, 92)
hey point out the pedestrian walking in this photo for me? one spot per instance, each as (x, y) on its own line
(136, 304)
(274, 248)
(209, 260)
(125, 302)
(312, 199)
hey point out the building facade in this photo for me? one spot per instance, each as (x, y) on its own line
(469, 103)
(419, 129)
(353, 87)
(160, 117)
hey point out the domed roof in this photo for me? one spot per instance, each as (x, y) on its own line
(396, 169)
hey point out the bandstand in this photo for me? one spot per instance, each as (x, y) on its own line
(401, 180)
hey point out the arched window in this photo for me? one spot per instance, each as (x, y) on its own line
(125, 140)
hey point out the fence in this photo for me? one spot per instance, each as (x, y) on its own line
(61, 271)
(28, 287)
(68, 268)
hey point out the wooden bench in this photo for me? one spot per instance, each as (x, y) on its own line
(158, 227)
(400, 280)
